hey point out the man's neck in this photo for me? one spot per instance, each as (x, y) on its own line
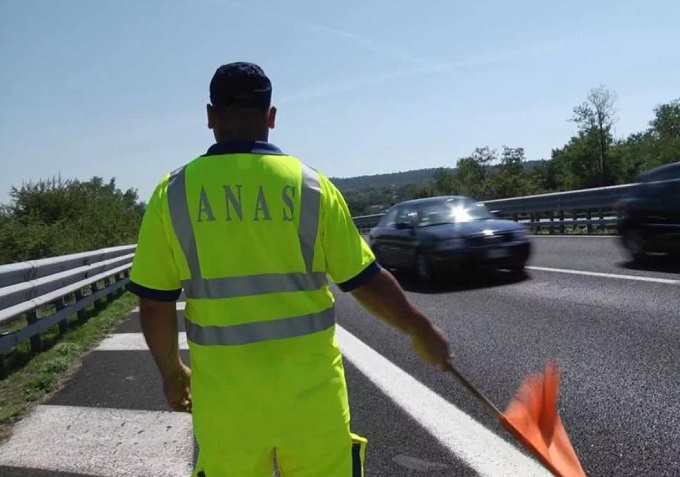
(243, 138)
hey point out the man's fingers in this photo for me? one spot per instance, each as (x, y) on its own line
(183, 406)
(181, 403)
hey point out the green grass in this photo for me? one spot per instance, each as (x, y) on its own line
(32, 377)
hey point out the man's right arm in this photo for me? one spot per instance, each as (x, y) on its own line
(351, 264)
(383, 297)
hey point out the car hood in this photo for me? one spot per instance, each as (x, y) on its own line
(471, 228)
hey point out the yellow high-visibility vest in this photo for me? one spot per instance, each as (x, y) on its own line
(250, 234)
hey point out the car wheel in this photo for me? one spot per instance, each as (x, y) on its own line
(518, 269)
(423, 267)
(632, 241)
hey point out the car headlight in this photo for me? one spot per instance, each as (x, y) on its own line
(521, 234)
(450, 244)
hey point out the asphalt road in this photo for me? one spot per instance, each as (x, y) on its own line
(614, 330)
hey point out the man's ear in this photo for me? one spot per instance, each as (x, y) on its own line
(271, 119)
(210, 113)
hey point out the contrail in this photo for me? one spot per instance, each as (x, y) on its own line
(417, 66)
(371, 44)
(367, 43)
(362, 81)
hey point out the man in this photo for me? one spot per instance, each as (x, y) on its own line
(251, 234)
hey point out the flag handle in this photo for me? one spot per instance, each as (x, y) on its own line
(477, 393)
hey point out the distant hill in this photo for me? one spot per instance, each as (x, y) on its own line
(392, 179)
(396, 179)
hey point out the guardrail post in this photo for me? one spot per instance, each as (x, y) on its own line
(63, 324)
(98, 305)
(3, 366)
(561, 219)
(589, 226)
(82, 314)
(121, 290)
(36, 342)
(109, 281)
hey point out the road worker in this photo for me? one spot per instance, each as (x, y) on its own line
(250, 234)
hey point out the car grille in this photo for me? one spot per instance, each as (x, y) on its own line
(482, 240)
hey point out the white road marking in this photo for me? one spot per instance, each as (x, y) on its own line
(572, 236)
(180, 305)
(102, 442)
(133, 342)
(612, 236)
(666, 281)
(480, 448)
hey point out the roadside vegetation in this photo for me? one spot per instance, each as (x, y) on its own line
(45, 219)
(54, 217)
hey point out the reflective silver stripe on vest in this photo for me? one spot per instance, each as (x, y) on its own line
(247, 333)
(230, 287)
(310, 204)
(181, 219)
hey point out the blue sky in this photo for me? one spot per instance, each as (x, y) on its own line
(118, 88)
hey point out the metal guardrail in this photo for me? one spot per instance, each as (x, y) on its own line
(57, 287)
(592, 208)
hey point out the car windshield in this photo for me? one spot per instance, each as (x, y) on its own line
(450, 212)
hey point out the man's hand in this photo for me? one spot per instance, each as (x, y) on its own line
(432, 346)
(159, 325)
(176, 387)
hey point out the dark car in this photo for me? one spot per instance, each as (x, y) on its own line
(649, 216)
(441, 234)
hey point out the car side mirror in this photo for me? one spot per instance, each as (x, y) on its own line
(403, 225)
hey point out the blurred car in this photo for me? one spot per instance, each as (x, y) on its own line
(648, 219)
(436, 235)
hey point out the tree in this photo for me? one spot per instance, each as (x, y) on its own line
(511, 179)
(485, 157)
(470, 177)
(666, 122)
(598, 114)
(444, 182)
(544, 177)
(665, 130)
(659, 144)
(56, 217)
(420, 191)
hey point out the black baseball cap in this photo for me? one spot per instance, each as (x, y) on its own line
(240, 84)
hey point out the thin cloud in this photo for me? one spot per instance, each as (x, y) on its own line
(371, 45)
(433, 68)
(366, 43)
(418, 66)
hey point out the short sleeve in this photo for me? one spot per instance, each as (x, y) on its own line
(154, 273)
(349, 259)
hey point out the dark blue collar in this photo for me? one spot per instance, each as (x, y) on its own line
(243, 147)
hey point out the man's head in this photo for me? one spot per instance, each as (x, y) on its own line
(240, 103)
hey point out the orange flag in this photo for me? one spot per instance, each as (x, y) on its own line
(533, 419)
